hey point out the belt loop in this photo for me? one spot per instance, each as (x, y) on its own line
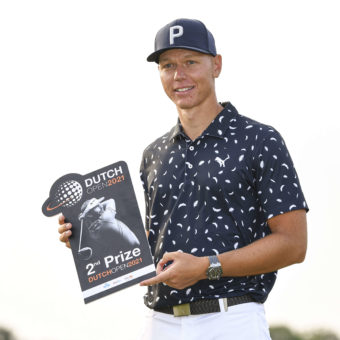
(223, 305)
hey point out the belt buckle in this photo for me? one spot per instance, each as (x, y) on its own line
(182, 310)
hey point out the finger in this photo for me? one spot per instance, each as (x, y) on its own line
(65, 236)
(93, 225)
(159, 269)
(64, 227)
(68, 245)
(61, 219)
(169, 256)
(162, 266)
(162, 277)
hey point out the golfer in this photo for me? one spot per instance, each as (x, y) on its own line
(224, 206)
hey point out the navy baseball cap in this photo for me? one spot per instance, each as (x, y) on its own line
(183, 33)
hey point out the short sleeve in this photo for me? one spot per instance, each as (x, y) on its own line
(277, 183)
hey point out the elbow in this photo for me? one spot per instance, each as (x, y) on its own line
(300, 257)
(296, 251)
(300, 253)
(302, 249)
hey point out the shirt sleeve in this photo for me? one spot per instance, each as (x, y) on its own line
(277, 183)
(146, 195)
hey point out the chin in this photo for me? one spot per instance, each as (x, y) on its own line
(184, 105)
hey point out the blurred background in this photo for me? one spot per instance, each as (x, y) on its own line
(76, 94)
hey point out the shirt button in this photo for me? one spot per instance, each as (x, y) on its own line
(191, 148)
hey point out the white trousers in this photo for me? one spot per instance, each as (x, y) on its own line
(241, 322)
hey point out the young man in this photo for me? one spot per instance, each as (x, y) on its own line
(224, 207)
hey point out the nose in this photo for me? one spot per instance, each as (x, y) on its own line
(179, 73)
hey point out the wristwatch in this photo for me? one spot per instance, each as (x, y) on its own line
(214, 272)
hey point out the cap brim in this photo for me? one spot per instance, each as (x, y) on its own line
(154, 57)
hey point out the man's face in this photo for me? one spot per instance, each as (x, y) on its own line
(188, 77)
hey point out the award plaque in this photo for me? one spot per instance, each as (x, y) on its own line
(108, 241)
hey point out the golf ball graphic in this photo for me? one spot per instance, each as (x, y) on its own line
(68, 193)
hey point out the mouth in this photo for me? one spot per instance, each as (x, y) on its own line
(184, 89)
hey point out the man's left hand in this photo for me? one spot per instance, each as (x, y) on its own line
(184, 271)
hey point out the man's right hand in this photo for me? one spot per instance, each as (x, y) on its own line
(64, 231)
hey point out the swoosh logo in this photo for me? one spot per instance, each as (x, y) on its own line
(49, 208)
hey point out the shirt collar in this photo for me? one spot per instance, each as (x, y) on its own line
(217, 127)
(176, 131)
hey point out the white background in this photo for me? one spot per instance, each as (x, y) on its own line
(77, 94)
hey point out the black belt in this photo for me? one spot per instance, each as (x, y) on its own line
(204, 306)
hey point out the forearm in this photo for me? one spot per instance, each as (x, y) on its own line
(286, 245)
(268, 254)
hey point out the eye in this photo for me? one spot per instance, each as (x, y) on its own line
(191, 62)
(167, 66)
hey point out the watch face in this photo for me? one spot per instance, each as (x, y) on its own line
(214, 273)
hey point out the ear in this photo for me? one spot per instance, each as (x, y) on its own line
(217, 64)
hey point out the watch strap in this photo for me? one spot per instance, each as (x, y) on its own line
(213, 259)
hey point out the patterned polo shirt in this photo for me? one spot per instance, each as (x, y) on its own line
(213, 195)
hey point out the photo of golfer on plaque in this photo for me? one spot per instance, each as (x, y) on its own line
(109, 244)
(98, 218)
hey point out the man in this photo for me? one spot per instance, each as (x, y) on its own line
(98, 218)
(224, 207)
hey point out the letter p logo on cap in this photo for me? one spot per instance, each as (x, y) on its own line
(196, 38)
(173, 34)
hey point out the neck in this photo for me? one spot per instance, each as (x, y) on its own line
(195, 120)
